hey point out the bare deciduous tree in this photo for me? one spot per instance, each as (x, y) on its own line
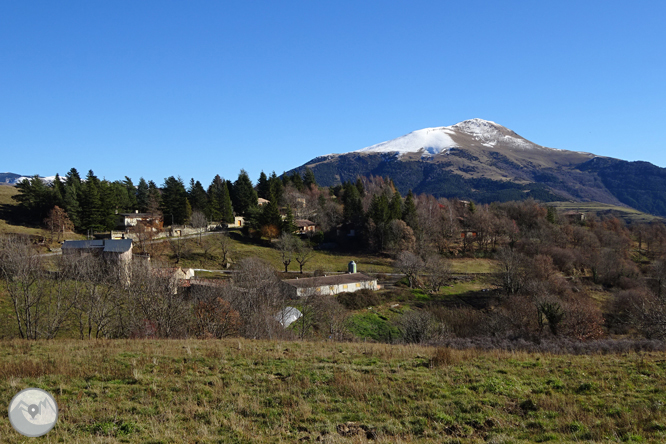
(200, 222)
(303, 253)
(286, 245)
(58, 222)
(411, 265)
(438, 272)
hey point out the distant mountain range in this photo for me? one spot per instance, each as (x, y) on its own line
(13, 178)
(484, 161)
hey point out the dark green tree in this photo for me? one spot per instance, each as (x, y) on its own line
(270, 215)
(352, 205)
(174, 202)
(197, 196)
(131, 203)
(297, 182)
(409, 212)
(288, 225)
(309, 178)
(264, 187)
(276, 188)
(92, 212)
(142, 196)
(244, 196)
(395, 207)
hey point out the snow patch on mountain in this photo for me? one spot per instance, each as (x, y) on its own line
(431, 140)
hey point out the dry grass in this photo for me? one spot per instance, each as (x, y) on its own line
(265, 391)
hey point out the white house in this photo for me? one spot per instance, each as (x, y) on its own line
(341, 283)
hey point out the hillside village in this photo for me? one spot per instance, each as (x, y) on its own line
(417, 268)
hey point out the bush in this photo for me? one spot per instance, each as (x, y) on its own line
(360, 299)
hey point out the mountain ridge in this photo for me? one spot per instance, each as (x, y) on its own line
(485, 161)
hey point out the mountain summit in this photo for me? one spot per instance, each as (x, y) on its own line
(431, 141)
(485, 161)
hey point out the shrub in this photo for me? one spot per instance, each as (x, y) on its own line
(359, 299)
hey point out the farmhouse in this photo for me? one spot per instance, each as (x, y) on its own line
(304, 226)
(342, 283)
(128, 220)
(115, 249)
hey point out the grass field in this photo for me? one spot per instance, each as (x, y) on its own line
(629, 215)
(242, 391)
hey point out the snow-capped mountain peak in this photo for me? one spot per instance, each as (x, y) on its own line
(432, 141)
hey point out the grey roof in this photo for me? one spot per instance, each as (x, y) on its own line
(106, 245)
(322, 281)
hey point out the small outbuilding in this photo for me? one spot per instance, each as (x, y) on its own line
(342, 283)
(117, 249)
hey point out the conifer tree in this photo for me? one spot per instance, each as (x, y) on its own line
(142, 196)
(175, 205)
(92, 217)
(131, 204)
(58, 191)
(276, 188)
(309, 178)
(197, 196)
(395, 208)
(409, 212)
(244, 196)
(288, 225)
(263, 186)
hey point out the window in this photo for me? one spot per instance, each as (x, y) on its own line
(358, 285)
(344, 286)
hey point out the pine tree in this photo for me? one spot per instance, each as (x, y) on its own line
(270, 215)
(71, 206)
(142, 195)
(58, 192)
(174, 201)
(244, 196)
(92, 216)
(263, 186)
(276, 188)
(309, 178)
(297, 181)
(409, 211)
(132, 203)
(352, 205)
(154, 198)
(395, 208)
(360, 187)
(471, 207)
(288, 225)
(197, 196)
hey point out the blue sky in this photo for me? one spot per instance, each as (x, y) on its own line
(161, 88)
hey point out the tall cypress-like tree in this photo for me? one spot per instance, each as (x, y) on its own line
(409, 212)
(244, 196)
(131, 204)
(92, 215)
(276, 188)
(58, 191)
(154, 198)
(263, 187)
(142, 196)
(395, 208)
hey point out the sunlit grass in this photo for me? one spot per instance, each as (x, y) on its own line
(264, 391)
